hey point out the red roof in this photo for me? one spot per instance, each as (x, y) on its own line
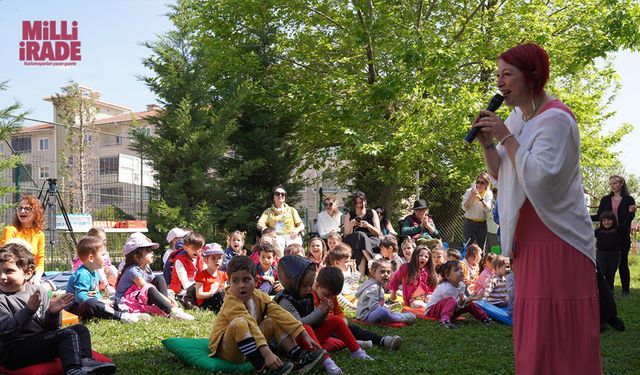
(36, 127)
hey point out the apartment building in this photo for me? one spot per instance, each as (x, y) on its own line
(116, 178)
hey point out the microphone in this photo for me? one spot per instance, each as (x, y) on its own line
(493, 106)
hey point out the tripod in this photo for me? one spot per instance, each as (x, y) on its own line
(49, 200)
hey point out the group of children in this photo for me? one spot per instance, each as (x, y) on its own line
(288, 299)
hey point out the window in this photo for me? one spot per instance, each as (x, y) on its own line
(21, 144)
(109, 165)
(22, 173)
(111, 195)
(43, 144)
(44, 172)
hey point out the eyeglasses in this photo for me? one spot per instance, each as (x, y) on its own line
(280, 194)
(24, 209)
(481, 182)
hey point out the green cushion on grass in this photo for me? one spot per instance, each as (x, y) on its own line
(195, 352)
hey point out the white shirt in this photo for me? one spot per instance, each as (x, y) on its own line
(326, 223)
(547, 172)
(477, 210)
(445, 290)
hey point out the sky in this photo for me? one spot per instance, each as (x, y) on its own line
(111, 33)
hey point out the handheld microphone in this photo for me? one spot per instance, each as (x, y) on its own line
(493, 106)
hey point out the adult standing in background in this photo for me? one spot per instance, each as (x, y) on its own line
(330, 219)
(28, 224)
(283, 218)
(623, 207)
(544, 224)
(477, 203)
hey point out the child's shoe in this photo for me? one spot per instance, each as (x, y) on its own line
(409, 318)
(134, 317)
(283, 370)
(487, 321)
(391, 342)
(178, 314)
(308, 360)
(365, 344)
(91, 366)
(448, 324)
(331, 368)
(361, 354)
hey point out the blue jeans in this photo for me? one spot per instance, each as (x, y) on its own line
(383, 315)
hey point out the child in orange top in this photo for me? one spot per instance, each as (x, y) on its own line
(471, 265)
(211, 282)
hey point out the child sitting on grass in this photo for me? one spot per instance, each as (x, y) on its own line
(298, 276)
(486, 271)
(388, 251)
(340, 257)
(418, 279)
(268, 281)
(448, 301)
(83, 285)
(235, 247)
(496, 292)
(211, 282)
(108, 273)
(370, 296)
(327, 287)
(249, 320)
(333, 238)
(187, 263)
(138, 288)
(471, 265)
(317, 252)
(30, 330)
(407, 247)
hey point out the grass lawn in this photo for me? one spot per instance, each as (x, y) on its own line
(427, 348)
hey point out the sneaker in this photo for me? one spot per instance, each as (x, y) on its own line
(448, 324)
(331, 368)
(179, 314)
(391, 342)
(365, 344)
(625, 293)
(75, 371)
(409, 318)
(361, 354)
(308, 360)
(487, 321)
(91, 366)
(391, 304)
(282, 370)
(134, 317)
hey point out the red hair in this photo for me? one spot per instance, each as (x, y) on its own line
(38, 213)
(533, 61)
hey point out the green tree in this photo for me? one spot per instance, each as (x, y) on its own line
(10, 120)
(76, 110)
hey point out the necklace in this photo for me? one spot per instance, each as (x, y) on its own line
(534, 109)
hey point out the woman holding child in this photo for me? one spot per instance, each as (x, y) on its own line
(545, 225)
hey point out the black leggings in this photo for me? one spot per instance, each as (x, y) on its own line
(625, 275)
(365, 335)
(93, 308)
(158, 295)
(70, 344)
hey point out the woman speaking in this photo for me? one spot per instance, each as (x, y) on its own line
(544, 224)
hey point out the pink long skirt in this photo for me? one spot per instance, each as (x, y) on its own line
(556, 321)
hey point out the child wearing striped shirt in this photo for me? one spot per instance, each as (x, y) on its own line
(496, 291)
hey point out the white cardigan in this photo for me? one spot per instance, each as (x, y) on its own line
(547, 172)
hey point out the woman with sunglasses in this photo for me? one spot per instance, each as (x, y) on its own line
(330, 219)
(283, 218)
(28, 224)
(477, 204)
